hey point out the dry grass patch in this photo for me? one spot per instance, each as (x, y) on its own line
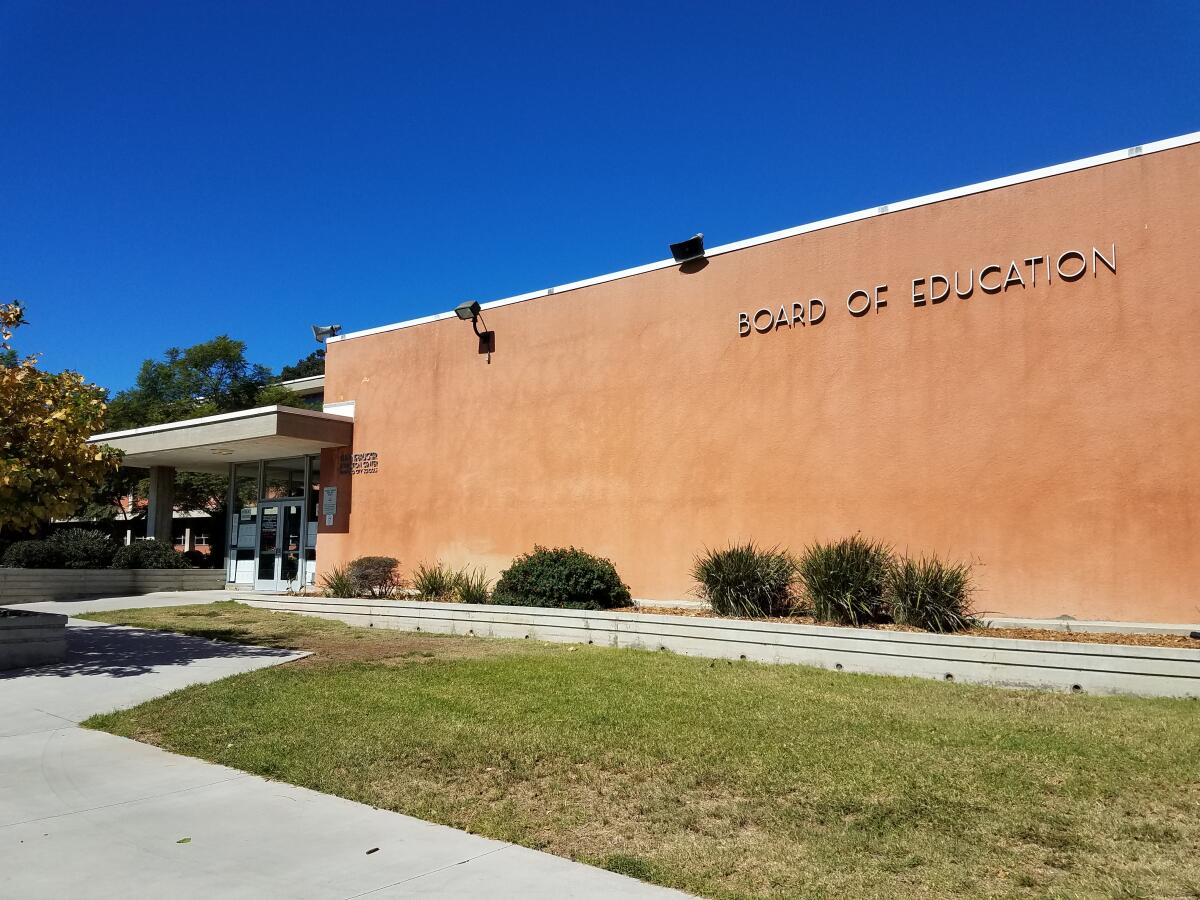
(725, 779)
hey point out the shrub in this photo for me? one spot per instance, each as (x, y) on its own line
(85, 548)
(562, 577)
(474, 586)
(745, 580)
(149, 555)
(375, 576)
(338, 583)
(33, 555)
(436, 582)
(844, 581)
(199, 559)
(931, 594)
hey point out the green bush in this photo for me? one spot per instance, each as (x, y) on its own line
(199, 559)
(337, 583)
(474, 586)
(844, 581)
(931, 594)
(436, 583)
(149, 555)
(33, 555)
(375, 576)
(561, 577)
(85, 548)
(745, 580)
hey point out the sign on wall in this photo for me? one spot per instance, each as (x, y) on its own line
(366, 463)
(933, 288)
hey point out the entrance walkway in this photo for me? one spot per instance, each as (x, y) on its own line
(87, 814)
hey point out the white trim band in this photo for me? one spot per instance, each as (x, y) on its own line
(207, 420)
(980, 187)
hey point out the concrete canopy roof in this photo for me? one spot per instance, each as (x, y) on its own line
(305, 387)
(210, 444)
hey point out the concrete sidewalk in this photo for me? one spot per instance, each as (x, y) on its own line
(87, 814)
(136, 601)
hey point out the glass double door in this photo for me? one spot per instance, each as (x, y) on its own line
(280, 528)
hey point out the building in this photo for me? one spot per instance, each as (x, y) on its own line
(1003, 373)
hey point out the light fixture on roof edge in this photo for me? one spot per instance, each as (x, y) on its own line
(692, 248)
(323, 332)
(469, 311)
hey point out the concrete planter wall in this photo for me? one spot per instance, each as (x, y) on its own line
(1054, 665)
(33, 585)
(31, 639)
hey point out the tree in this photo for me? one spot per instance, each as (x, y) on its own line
(206, 379)
(47, 467)
(209, 378)
(313, 364)
(202, 380)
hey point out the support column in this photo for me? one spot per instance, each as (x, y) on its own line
(162, 503)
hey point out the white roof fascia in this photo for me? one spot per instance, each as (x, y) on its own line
(978, 188)
(208, 420)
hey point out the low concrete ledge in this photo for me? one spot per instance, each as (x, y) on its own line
(31, 638)
(37, 585)
(1049, 665)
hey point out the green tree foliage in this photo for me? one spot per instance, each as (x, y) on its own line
(206, 379)
(47, 467)
(203, 380)
(313, 364)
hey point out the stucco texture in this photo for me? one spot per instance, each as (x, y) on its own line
(1048, 433)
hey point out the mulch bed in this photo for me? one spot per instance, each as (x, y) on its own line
(1176, 641)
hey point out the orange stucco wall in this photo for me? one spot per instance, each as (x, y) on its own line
(1048, 432)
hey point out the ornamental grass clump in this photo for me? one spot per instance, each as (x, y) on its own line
(474, 586)
(377, 577)
(435, 583)
(561, 577)
(931, 594)
(337, 583)
(746, 580)
(844, 581)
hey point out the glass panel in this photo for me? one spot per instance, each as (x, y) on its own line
(283, 478)
(291, 542)
(314, 487)
(245, 505)
(268, 543)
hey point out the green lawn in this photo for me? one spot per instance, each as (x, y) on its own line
(727, 780)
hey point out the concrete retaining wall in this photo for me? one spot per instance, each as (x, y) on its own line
(34, 585)
(1053, 665)
(31, 639)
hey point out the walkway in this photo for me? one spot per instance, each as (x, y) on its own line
(87, 814)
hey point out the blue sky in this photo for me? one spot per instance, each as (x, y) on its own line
(170, 171)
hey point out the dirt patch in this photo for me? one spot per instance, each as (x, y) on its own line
(1176, 641)
(1180, 641)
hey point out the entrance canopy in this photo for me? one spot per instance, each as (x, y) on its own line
(210, 444)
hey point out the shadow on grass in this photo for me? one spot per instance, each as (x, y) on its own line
(122, 652)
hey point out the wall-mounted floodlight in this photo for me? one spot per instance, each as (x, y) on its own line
(470, 311)
(324, 332)
(692, 248)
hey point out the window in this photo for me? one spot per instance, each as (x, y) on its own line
(283, 478)
(244, 511)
